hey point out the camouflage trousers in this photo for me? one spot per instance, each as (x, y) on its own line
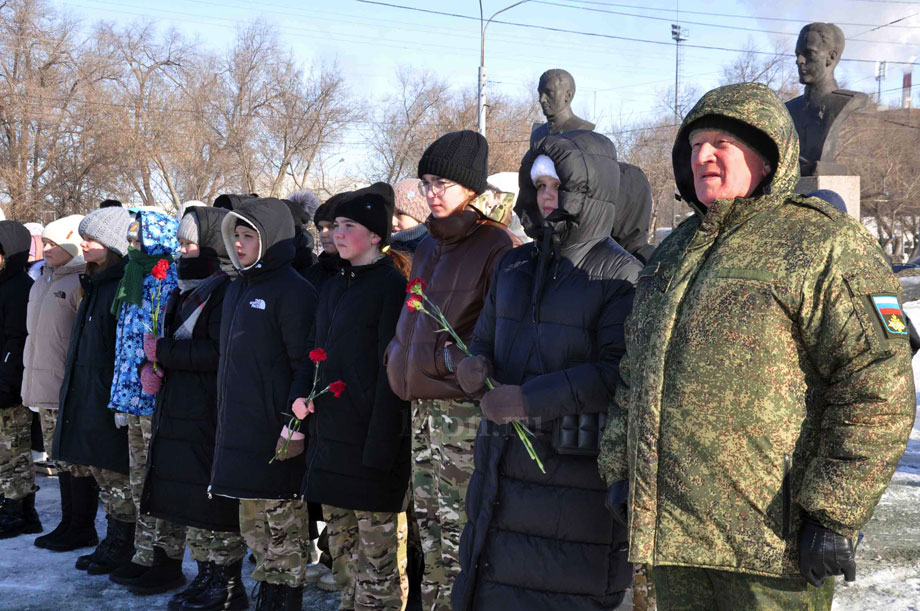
(150, 532)
(47, 418)
(368, 558)
(220, 547)
(115, 492)
(695, 589)
(443, 434)
(278, 533)
(17, 474)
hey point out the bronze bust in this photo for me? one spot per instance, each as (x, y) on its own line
(821, 110)
(556, 89)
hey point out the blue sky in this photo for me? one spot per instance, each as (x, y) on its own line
(618, 80)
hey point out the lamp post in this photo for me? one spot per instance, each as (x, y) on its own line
(482, 62)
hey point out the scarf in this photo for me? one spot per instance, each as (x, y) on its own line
(131, 287)
(191, 306)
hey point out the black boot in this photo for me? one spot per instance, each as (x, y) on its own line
(60, 529)
(19, 517)
(115, 551)
(81, 531)
(289, 599)
(415, 568)
(201, 583)
(165, 575)
(226, 591)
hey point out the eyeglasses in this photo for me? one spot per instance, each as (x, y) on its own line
(436, 188)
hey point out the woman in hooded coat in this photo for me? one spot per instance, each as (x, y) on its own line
(550, 337)
(185, 421)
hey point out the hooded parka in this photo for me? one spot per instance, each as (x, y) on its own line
(185, 420)
(15, 285)
(553, 324)
(53, 303)
(86, 432)
(761, 380)
(358, 451)
(634, 212)
(265, 323)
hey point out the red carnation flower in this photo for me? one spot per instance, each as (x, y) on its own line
(317, 355)
(416, 286)
(414, 303)
(160, 269)
(337, 388)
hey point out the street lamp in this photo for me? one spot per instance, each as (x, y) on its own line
(482, 61)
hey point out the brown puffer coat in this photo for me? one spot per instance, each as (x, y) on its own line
(456, 260)
(53, 302)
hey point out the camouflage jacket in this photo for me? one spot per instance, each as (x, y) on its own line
(767, 371)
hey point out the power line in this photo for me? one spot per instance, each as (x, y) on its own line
(608, 36)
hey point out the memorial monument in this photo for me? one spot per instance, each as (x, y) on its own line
(556, 89)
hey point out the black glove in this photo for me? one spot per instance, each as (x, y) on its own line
(824, 553)
(617, 501)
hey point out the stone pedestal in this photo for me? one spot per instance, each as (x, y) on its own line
(846, 186)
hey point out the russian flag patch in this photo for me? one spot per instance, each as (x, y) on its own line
(889, 311)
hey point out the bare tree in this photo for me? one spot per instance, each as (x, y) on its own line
(776, 71)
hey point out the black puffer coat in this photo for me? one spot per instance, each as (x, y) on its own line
(326, 267)
(634, 213)
(15, 285)
(359, 446)
(86, 433)
(553, 324)
(267, 315)
(185, 420)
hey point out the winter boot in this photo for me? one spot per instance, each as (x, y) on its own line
(226, 590)
(327, 583)
(117, 548)
(165, 575)
(81, 530)
(60, 529)
(201, 583)
(267, 598)
(289, 599)
(128, 574)
(19, 517)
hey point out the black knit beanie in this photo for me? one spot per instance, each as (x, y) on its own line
(326, 211)
(753, 137)
(459, 156)
(372, 207)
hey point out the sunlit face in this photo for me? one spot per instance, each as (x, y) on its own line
(401, 222)
(547, 194)
(325, 236)
(246, 242)
(724, 167)
(188, 250)
(54, 255)
(813, 58)
(355, 242)
(93, 251)
(445, 197)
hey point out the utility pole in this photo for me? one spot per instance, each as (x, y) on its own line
(482, 62)
(679, 35)
(881, 71)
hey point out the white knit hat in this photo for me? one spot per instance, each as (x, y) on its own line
(65, 232)
(542, 166)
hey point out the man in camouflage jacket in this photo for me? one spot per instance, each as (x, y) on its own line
(767, 392)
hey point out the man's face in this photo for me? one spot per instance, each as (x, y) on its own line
(813, 58)
(724, 167)
(554, 97)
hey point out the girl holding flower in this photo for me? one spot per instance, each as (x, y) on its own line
(359, 448)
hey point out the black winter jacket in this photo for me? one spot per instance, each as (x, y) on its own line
(266, 319)
(359, 447)
(185, 421)
(553, 324)
(15, 285)
(326, 267)
(634, 213)
(86, 433)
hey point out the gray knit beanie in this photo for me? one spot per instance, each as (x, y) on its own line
(188, 228)
(109, 227)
